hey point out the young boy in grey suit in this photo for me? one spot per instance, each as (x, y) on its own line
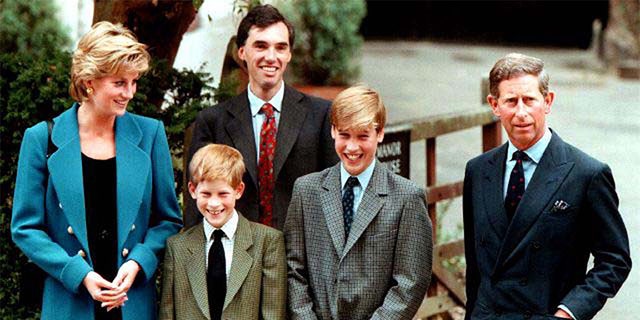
(358, 236)
(225, 267)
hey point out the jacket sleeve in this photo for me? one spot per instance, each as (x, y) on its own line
(412, 261)
(167, 299)
(472, 273)
(165, 211)
(300, 302)
(610, 249)
(274, 279)
(28, 224)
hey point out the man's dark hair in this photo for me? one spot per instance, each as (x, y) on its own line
(262, 17)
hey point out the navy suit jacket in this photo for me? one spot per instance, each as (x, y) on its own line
(539, 260)
(49, 221)
(303, 145)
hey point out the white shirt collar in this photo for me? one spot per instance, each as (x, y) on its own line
(228, 228)
(534, 152)
(256, 103)
(363, 178)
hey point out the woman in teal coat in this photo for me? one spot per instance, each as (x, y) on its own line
(95, 215)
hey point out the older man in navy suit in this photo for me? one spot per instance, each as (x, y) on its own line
(535, 209)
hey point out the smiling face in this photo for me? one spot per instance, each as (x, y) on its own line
(267, 52)
(356, 147)
(522, 109)
(216, 200)
(111, 94)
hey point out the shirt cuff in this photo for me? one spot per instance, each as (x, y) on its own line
(565, 309)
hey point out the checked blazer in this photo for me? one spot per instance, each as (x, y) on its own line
(383, 268)
(256, 285)
(303, 145)
(528, 267)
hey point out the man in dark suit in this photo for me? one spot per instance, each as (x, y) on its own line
(282, 133)
(535, 209)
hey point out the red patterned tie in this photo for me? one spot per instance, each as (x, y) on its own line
(265, 164)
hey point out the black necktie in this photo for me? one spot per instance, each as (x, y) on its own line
(347, 204)
(216, 276)
(515, 189)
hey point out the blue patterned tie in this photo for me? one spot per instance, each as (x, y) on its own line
(347, 204)
(515, 187)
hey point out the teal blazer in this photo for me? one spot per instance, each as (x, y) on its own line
(48, 222)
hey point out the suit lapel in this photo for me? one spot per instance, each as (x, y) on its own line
(291, 119)
(331, 201)
(370, 205)
(551, 171)
(492, 190)
(241, 132)
(197, 269)
(65, 171)
(132, 170)
(242, 260)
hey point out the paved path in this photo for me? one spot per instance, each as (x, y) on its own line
(594, 110)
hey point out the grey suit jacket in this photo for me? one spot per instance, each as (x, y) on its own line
(539, 260)
(257, 285)
(380, 271)
(303, 145)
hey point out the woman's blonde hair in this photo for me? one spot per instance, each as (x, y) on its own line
(358, 107)
(107, 49)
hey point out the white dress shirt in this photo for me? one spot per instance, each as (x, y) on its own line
(229, 230)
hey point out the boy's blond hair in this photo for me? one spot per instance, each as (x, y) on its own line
(358, 107)
(217, 161)
(106, 50)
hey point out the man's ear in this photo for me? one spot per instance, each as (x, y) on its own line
(493, 102)
(548, 101)
(334, 132)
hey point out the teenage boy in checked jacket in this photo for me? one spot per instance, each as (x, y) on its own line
(358, 236)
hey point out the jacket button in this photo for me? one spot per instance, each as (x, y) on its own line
(523, 282)
(527, 314)
(60, 205)
(125, 252)
(536, 245)
(81, 253)
(133, 227)
(69, 230)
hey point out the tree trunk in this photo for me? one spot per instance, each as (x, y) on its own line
(158, 24)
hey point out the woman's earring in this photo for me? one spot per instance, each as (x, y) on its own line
(89, 90)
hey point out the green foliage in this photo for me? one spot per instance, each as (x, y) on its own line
(28, 26)
(327, 41)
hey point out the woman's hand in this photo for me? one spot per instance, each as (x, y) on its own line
(101, 289)
(123, 281)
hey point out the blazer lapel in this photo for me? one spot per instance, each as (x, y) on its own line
(242, 260)
(291, 119)
(197, 269)
(371, 203)
(241, 132)
(331, 201)
(65, 171)
(132, 170)
(493, 189)
(551, 171)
